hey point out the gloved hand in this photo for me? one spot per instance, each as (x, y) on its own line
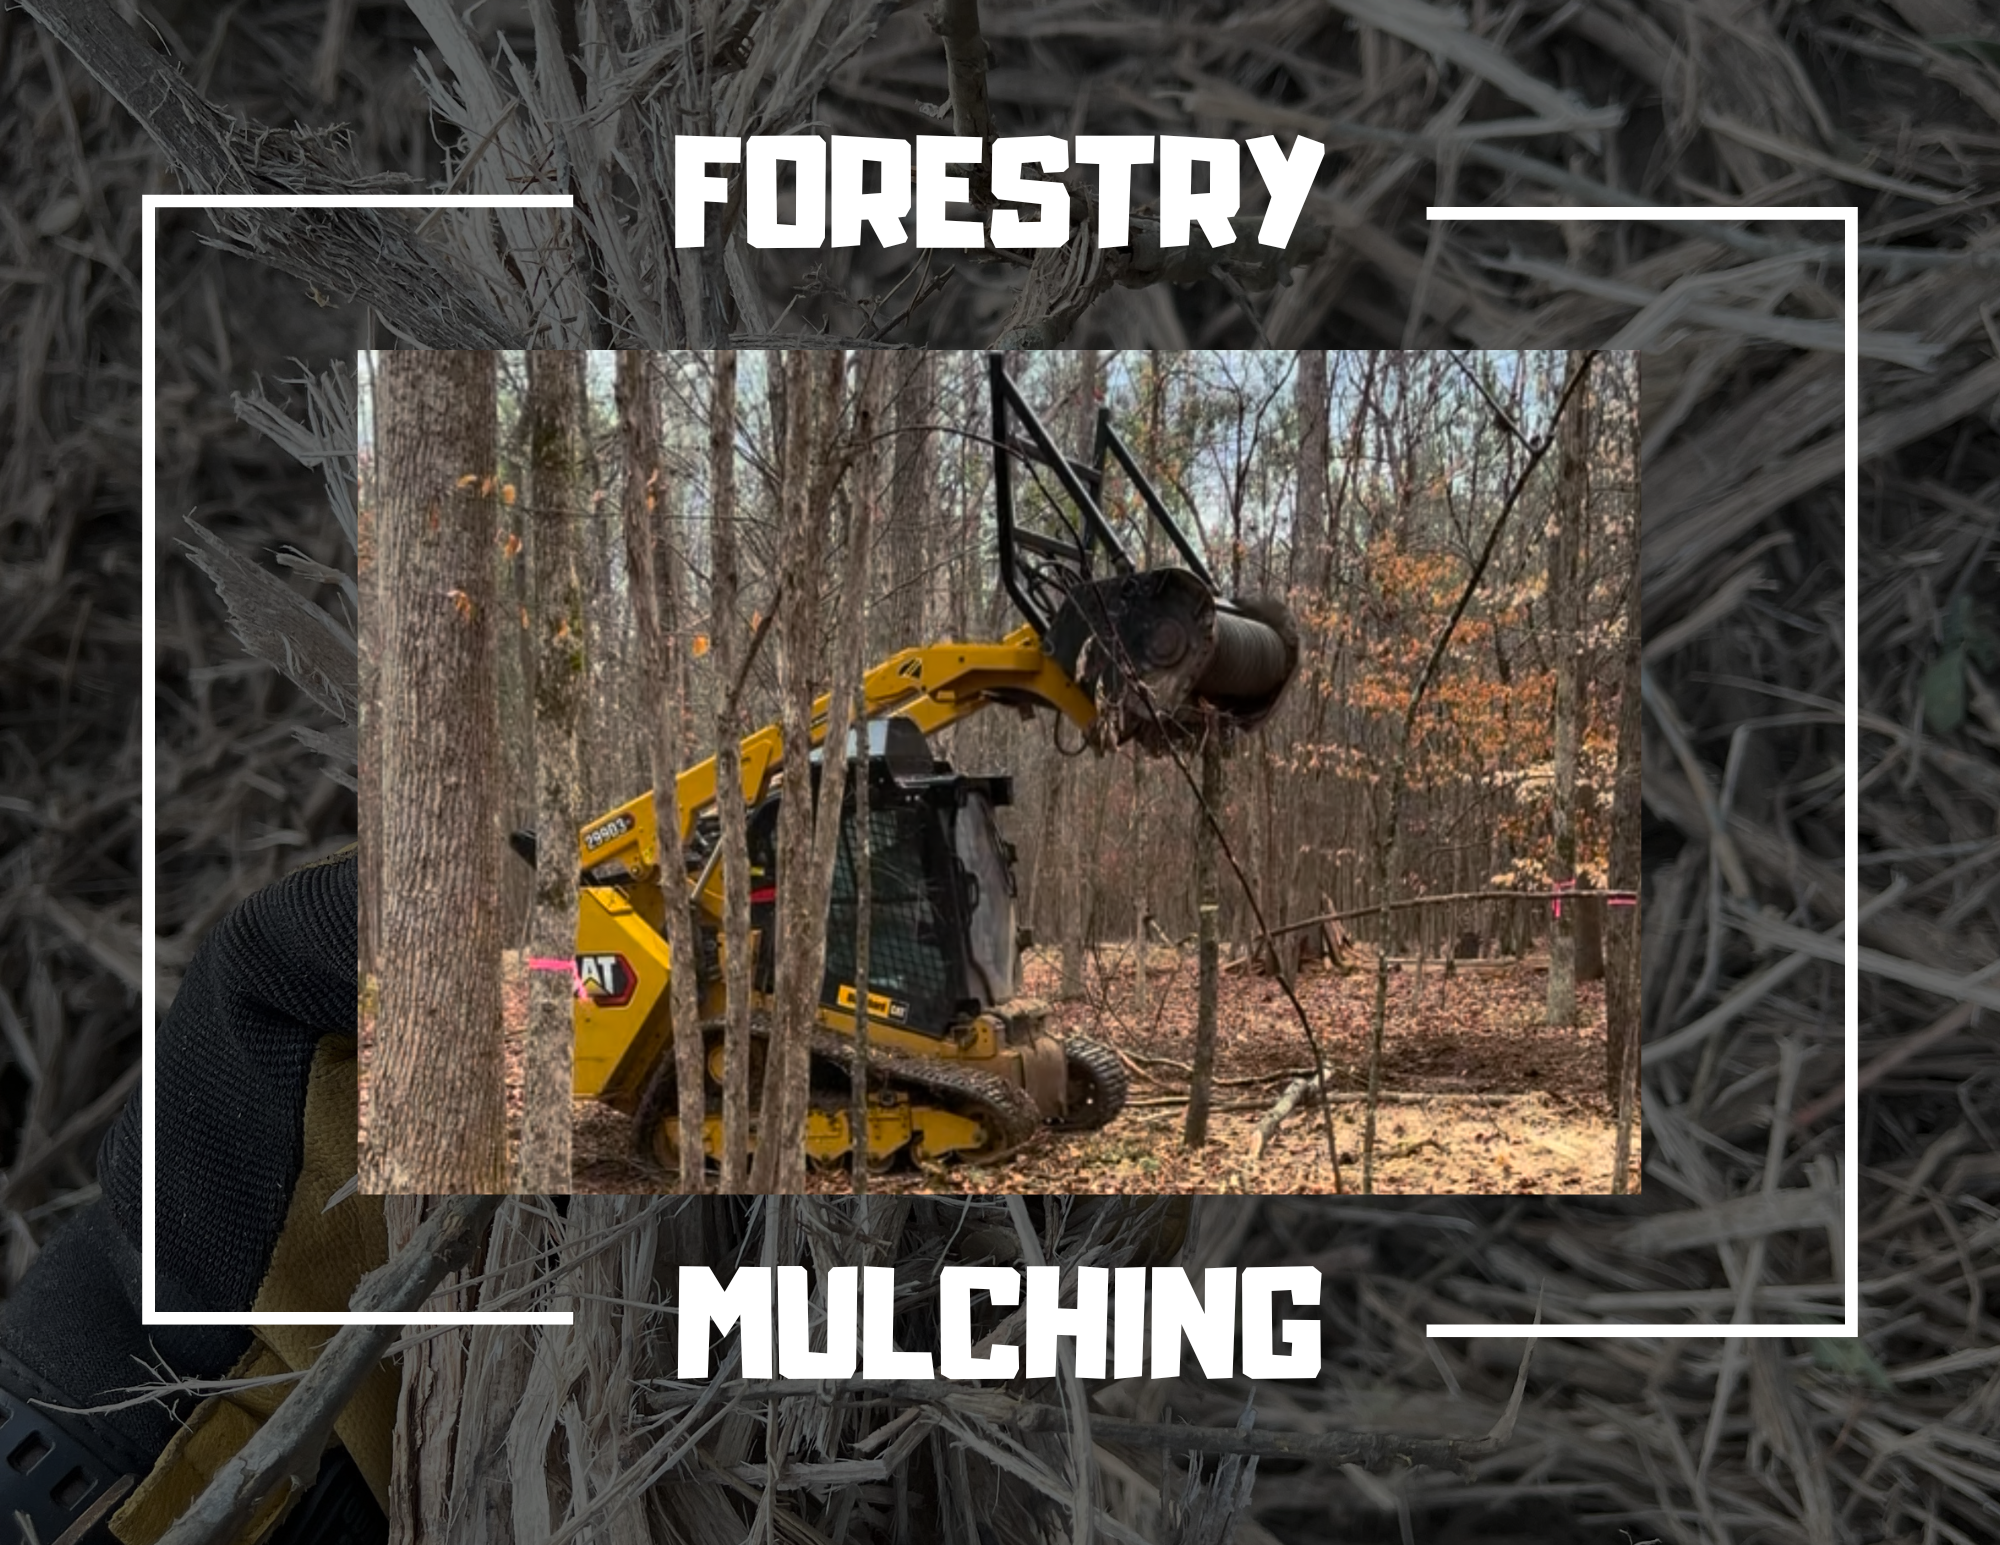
(255, 1127)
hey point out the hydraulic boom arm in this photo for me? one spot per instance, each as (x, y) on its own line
(935, 685)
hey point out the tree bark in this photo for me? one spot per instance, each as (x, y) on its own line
(615, 742)
(1074, 878)
(1134, 830)
(1201, 1077)
(1565, 607)
(1310, 534)
(368, 736)
(1622, 985)
(850, 639)
(860, 539)
(913, 506)
(662, 692)
(439, 1115)
(1308, 558)
(729, 775)
(864, 933)
(557, 499)
(517, 668)
(810, 405)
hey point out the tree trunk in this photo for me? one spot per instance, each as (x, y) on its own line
(438, 1112)
(912, 507)
(368, 739)
(1134, 828)
(863, 858)
(1565, 607)
(1074, 877)
(661, 690)
(729, 775)
(613, 737)
(556, 498)
(1306, 558)
(1201, 1078)
(1309, 511)
(517, 703)
(1622, 986)
(850, 639)
(860, 539)
(811, 409)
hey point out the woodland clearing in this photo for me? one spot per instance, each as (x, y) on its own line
(1482, 1098)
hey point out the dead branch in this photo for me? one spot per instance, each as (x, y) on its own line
(1375, 910)
(957, 23)
(1297, 1090)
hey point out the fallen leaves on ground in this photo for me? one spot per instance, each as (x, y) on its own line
(1452, 1046)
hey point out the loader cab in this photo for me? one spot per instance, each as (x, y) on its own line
(942, 941)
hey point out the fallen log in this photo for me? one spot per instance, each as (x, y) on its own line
(1301, 1092)
(1288, 1102)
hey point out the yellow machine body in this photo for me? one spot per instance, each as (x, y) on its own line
(624, 1024)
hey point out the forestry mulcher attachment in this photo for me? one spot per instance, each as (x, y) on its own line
(959, 1063)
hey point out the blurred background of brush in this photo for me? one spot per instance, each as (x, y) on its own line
(1896, 107)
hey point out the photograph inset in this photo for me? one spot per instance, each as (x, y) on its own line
(1294, 867)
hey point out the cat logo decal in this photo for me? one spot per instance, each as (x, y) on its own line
(879, 1007)
(608, 979)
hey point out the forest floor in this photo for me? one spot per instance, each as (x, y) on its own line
(1483, 1098)
(1487, 1100)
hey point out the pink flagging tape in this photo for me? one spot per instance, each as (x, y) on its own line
(1611, 898)
(566, 966)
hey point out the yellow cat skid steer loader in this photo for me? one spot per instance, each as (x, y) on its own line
(959, 1063)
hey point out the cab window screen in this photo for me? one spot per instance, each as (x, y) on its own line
(909, 953)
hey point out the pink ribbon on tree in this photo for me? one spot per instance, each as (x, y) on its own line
(567, 966)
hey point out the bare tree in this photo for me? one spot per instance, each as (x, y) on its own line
(1622, 986)
(662, 679)
(834, 454)
(612, 739)
(1072, 878)
(729, 773)
(438, 1113)
(860, 539)
(1310, 530)
(1566, 599)
(368, 737)
(913, 507)
(811, 397)
(556, 499)
(1201, 1077)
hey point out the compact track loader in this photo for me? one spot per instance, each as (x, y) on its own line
(960, 1064)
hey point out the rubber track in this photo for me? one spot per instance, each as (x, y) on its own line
(1107, 1072)
(1010, 1117)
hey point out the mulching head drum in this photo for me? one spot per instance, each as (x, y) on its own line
(1161, 655)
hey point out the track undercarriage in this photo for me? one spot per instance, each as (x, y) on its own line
(928, 1108)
